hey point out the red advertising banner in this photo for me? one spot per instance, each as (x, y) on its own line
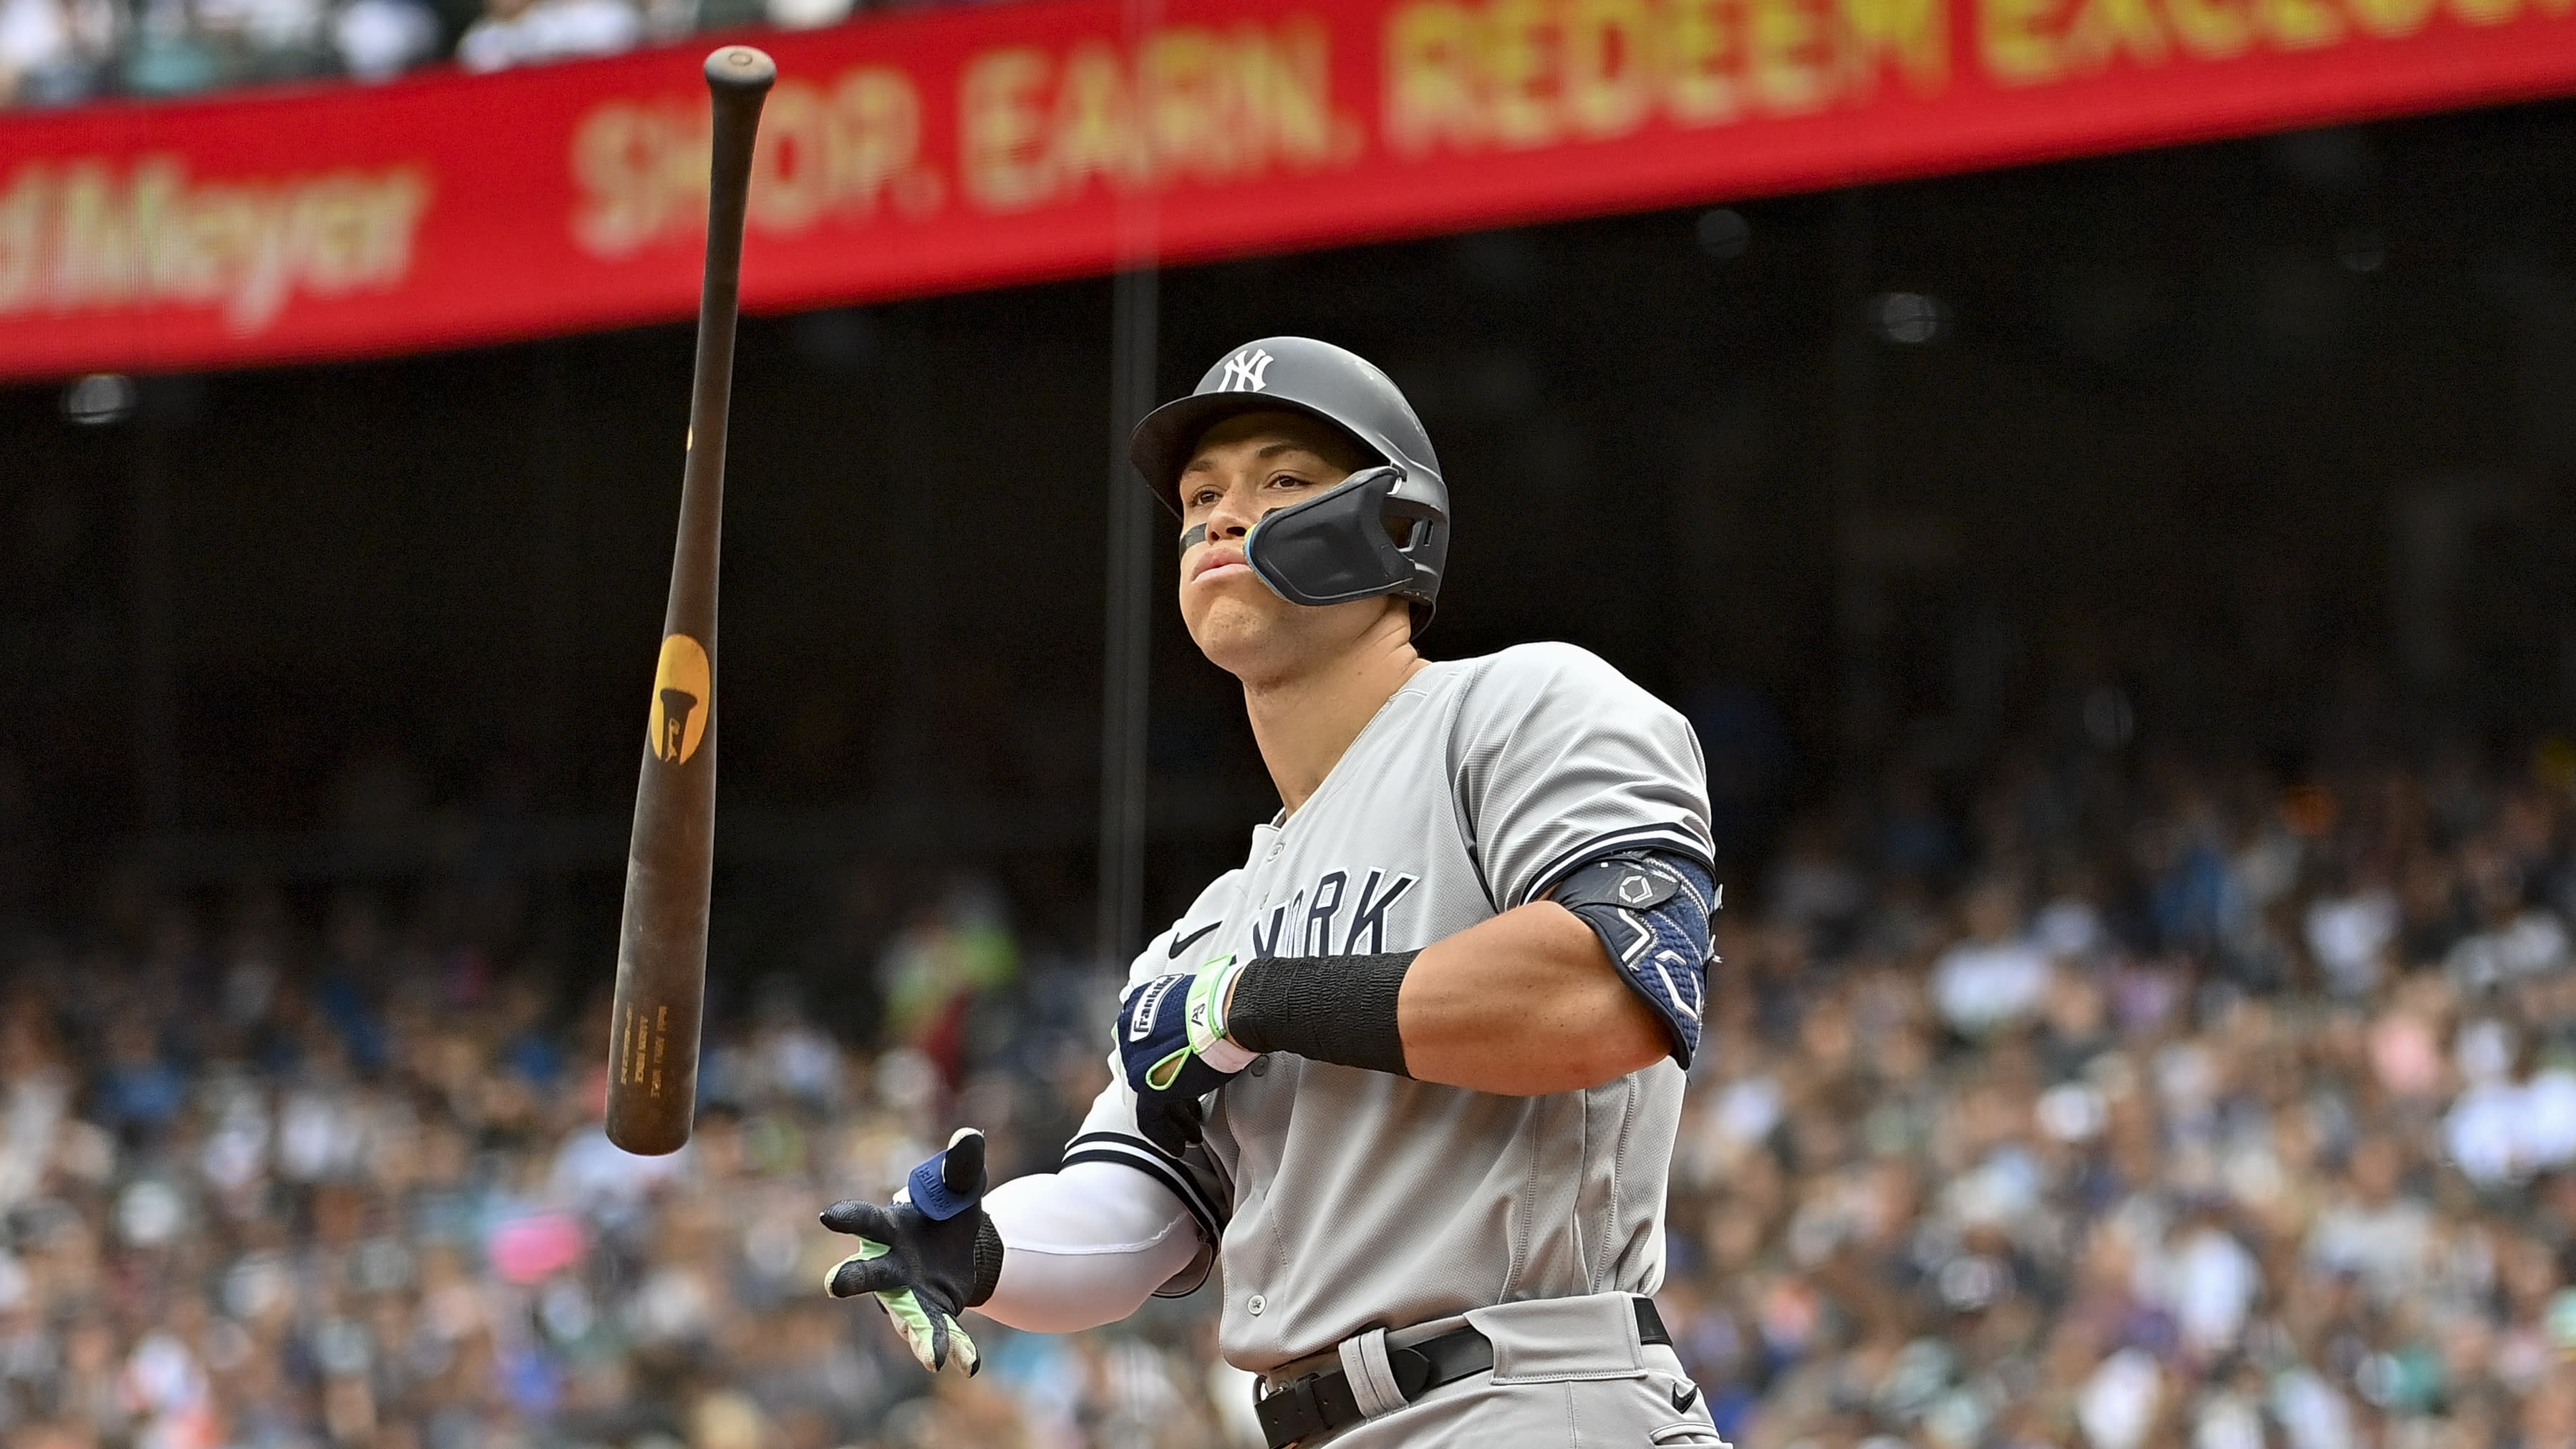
(964, 148)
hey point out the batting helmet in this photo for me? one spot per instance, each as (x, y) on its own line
(1383, 530)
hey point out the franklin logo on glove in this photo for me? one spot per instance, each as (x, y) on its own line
(1172, 1047)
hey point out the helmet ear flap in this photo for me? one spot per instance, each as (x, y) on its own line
(1336, 547)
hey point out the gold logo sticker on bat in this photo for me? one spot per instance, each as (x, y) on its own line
(683, 687)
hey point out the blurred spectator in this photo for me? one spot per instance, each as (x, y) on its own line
(50, 49)
(169, 53)
(265, 39)
(807, 14)
(518, 32)
(1994, 978)
(379, 39)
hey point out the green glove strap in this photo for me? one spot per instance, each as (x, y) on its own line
(1204, 1015)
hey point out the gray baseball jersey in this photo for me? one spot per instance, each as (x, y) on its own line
(1338, 1199)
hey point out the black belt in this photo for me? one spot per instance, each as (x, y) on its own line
(1322, 1402)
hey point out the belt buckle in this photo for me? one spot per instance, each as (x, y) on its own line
(1292, 1413)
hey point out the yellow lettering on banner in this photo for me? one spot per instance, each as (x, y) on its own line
(2301, 24)
(1222, 106)
(2106, 28)
(99, 255)
(1786, 47)
(1523, 73)
(1200, 118)
(2219, 29)
(2017, 50)
(790, 182)
(1095, 121)
(1700, 54)
(875, 132)
(2485, 12)
(1520, 110)
(642, 168)
(233, 234)
(1431, 85)
(642, 172)
(92, 237)
(1609, 66)
(820, 153)
(22, 230)
(1915, 33)
(1188, 101)
(2390, 19)
(1001, 129)
(1288, 86)
(355, 232)
(614, 200)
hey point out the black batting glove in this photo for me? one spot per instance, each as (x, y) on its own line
(928, 1256)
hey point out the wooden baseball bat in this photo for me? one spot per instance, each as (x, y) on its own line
(662, 939)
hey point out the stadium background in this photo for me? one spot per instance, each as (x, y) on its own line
(2127, 604)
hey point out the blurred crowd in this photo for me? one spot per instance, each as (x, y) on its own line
(2165, 1108)
(2091, 1103)
(61, 52)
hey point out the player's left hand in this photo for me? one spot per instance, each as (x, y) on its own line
(1172, 1049)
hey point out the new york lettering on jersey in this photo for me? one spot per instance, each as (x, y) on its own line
(1317, 910)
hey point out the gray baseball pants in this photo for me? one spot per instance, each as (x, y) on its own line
(1567, 1371)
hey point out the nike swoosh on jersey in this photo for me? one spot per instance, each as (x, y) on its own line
(1683, 1395)
(1182, 943)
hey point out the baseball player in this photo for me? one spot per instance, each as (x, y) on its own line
(1407, 1080)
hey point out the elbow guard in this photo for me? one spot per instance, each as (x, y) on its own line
(1651, 908)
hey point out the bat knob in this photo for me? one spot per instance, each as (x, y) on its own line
(741, 68)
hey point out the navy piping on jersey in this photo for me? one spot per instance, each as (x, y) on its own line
(1663, 836)
(1139, 1154)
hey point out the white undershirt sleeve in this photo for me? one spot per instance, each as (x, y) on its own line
(1085, 1245)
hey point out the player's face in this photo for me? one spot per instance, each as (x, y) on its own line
(1243, 468)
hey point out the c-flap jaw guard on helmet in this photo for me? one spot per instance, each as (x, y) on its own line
(1357, 540)
(1383, 530)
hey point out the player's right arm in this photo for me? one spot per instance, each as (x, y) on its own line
(1087, 1244)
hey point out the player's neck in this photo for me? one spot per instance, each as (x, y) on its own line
(1305, 720)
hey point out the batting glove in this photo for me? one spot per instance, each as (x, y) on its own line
(928, 1256)
(1173, 1051)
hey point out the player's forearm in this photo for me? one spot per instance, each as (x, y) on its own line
(1524, 1004)
(1084, 1246)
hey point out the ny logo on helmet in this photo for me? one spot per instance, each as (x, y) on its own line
(1244, 372)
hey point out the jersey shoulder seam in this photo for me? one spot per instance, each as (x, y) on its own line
(1455, 769)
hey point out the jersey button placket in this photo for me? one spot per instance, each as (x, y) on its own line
(1254, 1304)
